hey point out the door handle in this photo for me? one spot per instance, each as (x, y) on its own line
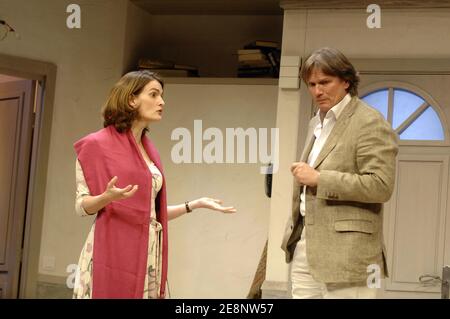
(445, 287)
(433, 280)
(429, 280)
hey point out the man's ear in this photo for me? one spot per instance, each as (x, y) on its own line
(347, 85)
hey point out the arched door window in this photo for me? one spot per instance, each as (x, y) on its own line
(412, 115)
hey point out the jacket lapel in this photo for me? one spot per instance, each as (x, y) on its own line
(309, 140)
(338, 129)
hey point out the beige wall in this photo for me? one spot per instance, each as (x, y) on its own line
(403, 34)
(213, 255)
(88, 60)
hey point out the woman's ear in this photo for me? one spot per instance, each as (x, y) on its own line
(132, 101)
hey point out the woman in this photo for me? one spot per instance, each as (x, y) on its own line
(120, 178)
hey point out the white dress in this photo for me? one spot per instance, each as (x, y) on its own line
(83, 280)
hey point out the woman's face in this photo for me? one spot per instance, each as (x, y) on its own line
(149, 102)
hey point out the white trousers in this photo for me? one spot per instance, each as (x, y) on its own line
(304, 286)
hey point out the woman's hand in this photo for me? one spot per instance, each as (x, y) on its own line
(93, 204)
(113, 193)
(210, 203)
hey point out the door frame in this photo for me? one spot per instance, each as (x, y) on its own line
(23, 93)
(45, 73)
(423, 66)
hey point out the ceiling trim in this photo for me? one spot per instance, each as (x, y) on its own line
(358, 4)
(210, 7)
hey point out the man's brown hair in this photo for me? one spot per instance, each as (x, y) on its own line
(332, 62)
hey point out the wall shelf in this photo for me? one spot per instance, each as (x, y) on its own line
(213, 80)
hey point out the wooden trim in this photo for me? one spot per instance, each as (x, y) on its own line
(23, 89)
(209, 7)
(358, 4)
(45, 73)
(412, 118)
(390, 110)
(53, 279)
(402, 66)
(3, 289)
(275, 290)
(22, 68)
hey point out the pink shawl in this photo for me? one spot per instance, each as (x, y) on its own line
(122, 227)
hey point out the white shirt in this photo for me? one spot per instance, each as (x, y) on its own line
(321, 132)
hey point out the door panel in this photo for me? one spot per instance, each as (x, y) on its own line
(16, 107)
(416, 223)
(9, 128)
(2, 289)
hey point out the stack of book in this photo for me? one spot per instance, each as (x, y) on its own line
(167, 68)
(259, 59)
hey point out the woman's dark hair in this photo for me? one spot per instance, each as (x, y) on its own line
(117, 110)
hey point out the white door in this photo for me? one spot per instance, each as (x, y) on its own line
(16, 109)
(417, 218)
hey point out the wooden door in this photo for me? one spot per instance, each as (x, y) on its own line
(16, 120)
(417, 216)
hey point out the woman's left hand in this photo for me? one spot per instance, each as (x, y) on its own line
(210, 203)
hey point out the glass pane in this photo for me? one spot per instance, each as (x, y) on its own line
(405, 103)
(426, 127)
(378, 100)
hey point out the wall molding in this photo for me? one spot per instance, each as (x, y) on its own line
(358, 4)
(275, 290)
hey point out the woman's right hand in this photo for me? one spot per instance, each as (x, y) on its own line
(113, 193)
(93, 204)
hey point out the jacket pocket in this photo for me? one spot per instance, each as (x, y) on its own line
(354, 225)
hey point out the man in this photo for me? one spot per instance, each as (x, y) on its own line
(334, 237)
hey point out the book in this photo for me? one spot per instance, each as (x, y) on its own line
(255, 72)
(153, 63)
(173, 72)
(185, 67)
(259, 58)
(254, 64)
(248, 51)
(251, 57)
(262, 44)
(273, 61)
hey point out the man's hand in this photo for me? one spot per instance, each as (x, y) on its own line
(305, 174)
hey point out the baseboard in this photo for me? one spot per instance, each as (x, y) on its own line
(275, 290)
(53, 287)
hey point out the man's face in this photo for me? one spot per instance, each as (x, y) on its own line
(326, 90)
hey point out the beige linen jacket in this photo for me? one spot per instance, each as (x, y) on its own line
(344, 213)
